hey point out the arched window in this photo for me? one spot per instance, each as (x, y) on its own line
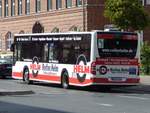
(55, 30)
(8, 40)
(37, 28)
(74, 28)
(21, 32)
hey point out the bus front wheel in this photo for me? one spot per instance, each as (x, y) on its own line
(65, 80)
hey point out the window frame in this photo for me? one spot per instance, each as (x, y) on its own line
(19, 7)
(6, 10)
(38, 6)
(79, 3)
(27, 7)
(68, 3)
(9, 40)
(49, 5)
(58, 4)
(12, 7)
(0, 8)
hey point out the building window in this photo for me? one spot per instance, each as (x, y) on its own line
(74, 28)
(49, 5)
(9, 40)
(27, 7)
(12, 7)
(38, 6)
(0, 43)
(147, 2)
(6, 8)
(78, 2)
(142, 2)
(19, 7)
(55, 30)
(38, 28)
(68, 3)
(58, 4)
(0, 8)
(21, 32)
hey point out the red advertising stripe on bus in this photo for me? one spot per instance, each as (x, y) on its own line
(130, 37)
(105, 80)
(76, 81)
(105, 36)
(53, 78)
(16, 74)
(111, 36)
(47, 77)
(40, 77)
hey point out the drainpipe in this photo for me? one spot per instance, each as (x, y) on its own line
(84, 15)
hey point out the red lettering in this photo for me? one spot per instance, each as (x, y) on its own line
(35, 67)
(81, 69)
(87, 69)
(75, 68)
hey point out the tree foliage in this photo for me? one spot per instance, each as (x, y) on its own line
(127, 14)
(145, 58)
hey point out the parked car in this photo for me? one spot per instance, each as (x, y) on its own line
(9, 56)
(5, 67)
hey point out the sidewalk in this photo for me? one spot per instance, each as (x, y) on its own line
(145, 80)
(10, 88)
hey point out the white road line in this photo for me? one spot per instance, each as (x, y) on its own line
(134, 97)
(106, 105)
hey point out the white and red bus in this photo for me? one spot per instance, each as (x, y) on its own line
(78, 58)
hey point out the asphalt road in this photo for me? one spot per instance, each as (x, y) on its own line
(49, 98)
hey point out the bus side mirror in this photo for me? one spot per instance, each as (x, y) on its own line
(12, 48)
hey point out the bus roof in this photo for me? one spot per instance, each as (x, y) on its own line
(67, 33)
(60, 33)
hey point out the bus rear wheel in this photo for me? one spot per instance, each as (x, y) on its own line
(65, 80)
(26, 78)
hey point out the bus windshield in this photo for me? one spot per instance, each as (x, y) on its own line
(125, 46)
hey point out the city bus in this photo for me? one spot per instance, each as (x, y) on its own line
(78, 58)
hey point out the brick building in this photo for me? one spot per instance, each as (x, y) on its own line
(34, 16)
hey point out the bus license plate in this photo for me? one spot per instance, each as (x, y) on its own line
(118, 79)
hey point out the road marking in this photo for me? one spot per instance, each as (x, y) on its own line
(106, 105)
(133, 97)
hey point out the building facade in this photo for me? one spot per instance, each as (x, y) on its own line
(35, 16)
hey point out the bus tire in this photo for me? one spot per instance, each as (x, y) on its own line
(65, 80)
(26, 78)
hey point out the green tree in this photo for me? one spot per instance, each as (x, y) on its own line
(145, 58)
(127, 14)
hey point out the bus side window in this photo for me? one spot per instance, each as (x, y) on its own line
(71, 59)
(54, 52)
(60, 53)
(45, 57)
(86, 53)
